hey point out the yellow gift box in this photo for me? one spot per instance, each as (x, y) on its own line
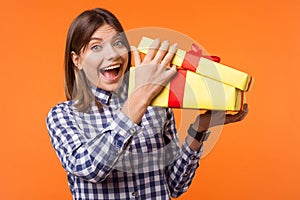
(206, 67)
(200, 82)
(193, 91)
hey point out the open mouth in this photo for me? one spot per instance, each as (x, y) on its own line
(111, 72)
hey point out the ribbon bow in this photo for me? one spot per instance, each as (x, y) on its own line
(192, 58)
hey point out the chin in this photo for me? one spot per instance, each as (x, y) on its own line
(110, 87)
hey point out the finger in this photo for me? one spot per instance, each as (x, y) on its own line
(244, 112)
(171, 72)
(167, 59)
(231, 118)
(152, 51)
(243, 116)
(237, 117)
(245, 107)
(161, 52)
(168, 74)
(136, 55)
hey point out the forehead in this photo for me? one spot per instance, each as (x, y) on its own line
(104, 32)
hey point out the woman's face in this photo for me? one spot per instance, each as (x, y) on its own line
(104, 59)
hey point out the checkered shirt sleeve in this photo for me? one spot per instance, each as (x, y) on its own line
(181, 172)
(90, 158)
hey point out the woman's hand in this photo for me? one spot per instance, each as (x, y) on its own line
(211, 119)
(216, 118)
(152, 73)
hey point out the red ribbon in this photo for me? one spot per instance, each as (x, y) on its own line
(177, 84)
(192, 58)
(176, 92)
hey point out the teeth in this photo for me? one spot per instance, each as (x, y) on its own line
(111, 67)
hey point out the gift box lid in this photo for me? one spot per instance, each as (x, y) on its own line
(207, 68)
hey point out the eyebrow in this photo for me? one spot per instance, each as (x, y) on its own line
(95, 38)
(100, 39)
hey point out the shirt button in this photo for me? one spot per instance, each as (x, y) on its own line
(185, 174)
(68, 154)
(193, 157)
(133, 194)
(132, 131)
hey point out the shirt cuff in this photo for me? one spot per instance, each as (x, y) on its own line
(190, 153)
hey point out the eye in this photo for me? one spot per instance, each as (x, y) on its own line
(96, 47)
(118, 43)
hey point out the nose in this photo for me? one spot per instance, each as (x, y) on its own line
(111, 53)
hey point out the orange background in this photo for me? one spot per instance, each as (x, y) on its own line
(256, 159)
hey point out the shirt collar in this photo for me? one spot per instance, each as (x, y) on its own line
(104, 96)
(101, 95)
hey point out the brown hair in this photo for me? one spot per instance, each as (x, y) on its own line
(82, 28)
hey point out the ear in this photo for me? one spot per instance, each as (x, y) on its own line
(76, 60)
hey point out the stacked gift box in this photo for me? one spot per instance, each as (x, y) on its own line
(201, 82)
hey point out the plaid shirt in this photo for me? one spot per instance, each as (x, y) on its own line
(107, 156)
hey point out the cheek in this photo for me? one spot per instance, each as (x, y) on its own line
(90, 71)
(125, 58)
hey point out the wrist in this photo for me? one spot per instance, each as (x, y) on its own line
(135, 107)
(142, 95)
(198, 134)
(193, 144)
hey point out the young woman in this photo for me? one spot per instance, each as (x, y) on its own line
(115, 146)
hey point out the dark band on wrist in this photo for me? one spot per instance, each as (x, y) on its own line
(200, 136)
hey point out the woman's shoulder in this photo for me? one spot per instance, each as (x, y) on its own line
(61, 108)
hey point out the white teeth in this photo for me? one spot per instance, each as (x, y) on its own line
(111, 67)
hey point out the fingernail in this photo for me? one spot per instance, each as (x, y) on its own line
(166, 42)
(165, 45)
(174, 47)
